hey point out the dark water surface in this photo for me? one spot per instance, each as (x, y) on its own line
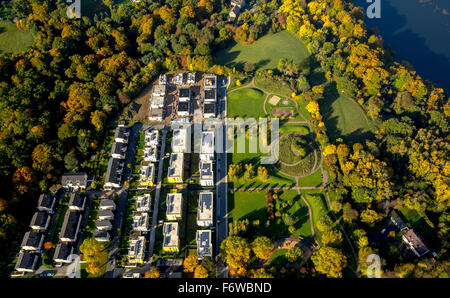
(419, 32)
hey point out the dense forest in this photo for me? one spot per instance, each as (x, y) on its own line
(56, 98)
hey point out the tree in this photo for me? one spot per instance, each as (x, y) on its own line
(236, 251)
(71, 160)
(48, 245)
(262, 273)
(370, 217)
(92, 249)
(249, 67)
(190, 263)
(249, 172)
(293, 254)
(329, 261)
(200, 272)
(290, 220)
(332, 238)
(262, 247)
(324, 223)
(153, 273)
(263, 174)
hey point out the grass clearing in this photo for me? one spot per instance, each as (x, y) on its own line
(274, 86)
(316, 200)
(246, 102)
(264, 53)
(13, 40)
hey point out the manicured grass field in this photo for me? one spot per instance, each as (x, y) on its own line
(244, 204)
(312, 180)
(288, 128)
(343, 118)
(13, 39)
(246, 102)
(264, 53)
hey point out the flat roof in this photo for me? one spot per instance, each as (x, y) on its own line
(204, 246)
(211, 93)
(209, 108)
(170, 234)
(147, 171)
(183, 106)
(140, 219)
(143, 200)
(136, 247)
(176, 165)
(205, 205)
(159, 89)
(179, 137)
(184, 92)
(207, 142)
(174, 203)
(206, 169)
(210, 81)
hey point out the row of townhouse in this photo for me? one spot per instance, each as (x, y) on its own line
(117, 160)
(157, 102)
(105, 219)
(147, 171)
(141, 223)
(210, 96)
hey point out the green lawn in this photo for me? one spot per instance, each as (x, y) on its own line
(343, 117)
(13, 39)
(246, 205)
(264, 53)
(293, 127)
(246, 102)
(274, 86)
(312, 180)
(316, 200)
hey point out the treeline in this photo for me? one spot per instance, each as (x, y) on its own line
(406, 164)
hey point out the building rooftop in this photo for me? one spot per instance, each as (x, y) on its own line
(70, 225)
(176, 165)
(33, 239)
(101, 234)
(63, 251)
(159, 90)
(158, 113)
(119, 148)
(79, 179)
(77, 200)
(205, 206)
(46, 202)
(143, 202)
(207, 142)
(122, 132)
(152, 136)
(206, 169)
(210, 81)
(184, 92)
(416, 242)
(397, 221)
(105, 213)
(210, 94)
(140, 220)
(170, 234)
(137, 248)
(107, 204)
(179, 139)
(183, 106)
(209, 108)
(204, 246)
(114, 171)
(174, 204)
(27, 260)
(40, 219)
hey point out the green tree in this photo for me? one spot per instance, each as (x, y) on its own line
(293, 254)
(329, 261)
(236, 251)
(262, 247)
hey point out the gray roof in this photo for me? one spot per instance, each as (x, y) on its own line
(70, 225)
(121, 132)
(45, 202)
(103, 213)
(77, 200)
(417, 242)
(184, 92)
(114, 165)
(32, 239)
(118, 148)
(101, 234)
(209, 108)
(210, 93)
(26, 260)
(107, 203)
(63, 251)
(39, 219)
(183, 106)
(74, 178)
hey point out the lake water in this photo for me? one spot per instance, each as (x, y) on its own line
(419, 32)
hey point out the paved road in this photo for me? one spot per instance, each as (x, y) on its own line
(221, 190)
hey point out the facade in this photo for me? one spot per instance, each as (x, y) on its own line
(206, 173)
(205, 209)
(176, 168)
(141, 222)
(114, 173)
(70, 227)
(152, 138)
(415, 242)
(207, 147)
(74, 181)
(209, 110)
(40, 221)
(171, 240)
(63, 253)
(122, 133)
(46, 203)
(136, 250)
(27, 262)
(107, 204)
(33, 241)
(119, 150)
(77, 202)
(146, 175)
(174, 203)
(180, 140)
(143, 203)
(204, 245)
